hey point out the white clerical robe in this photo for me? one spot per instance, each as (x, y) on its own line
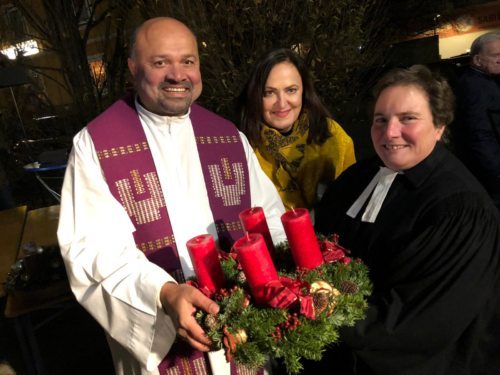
(109, 276)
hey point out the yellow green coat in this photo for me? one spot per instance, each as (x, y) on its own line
(296, 168)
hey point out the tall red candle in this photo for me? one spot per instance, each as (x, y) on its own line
(301, 238)
(256, 264)
(253, 220)
(205, 259)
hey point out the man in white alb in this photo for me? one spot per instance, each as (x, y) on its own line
(165, 167)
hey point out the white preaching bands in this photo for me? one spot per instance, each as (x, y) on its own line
(381, 182)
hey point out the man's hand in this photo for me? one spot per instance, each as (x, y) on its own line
(180, 302)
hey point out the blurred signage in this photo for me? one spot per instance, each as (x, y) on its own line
(479, 19)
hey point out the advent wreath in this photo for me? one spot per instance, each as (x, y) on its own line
(304, 310)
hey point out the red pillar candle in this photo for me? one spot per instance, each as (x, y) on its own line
(256, 263)
(253, 220)
(205, 259)
(302, 239)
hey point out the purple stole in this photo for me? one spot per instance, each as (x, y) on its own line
(128, 166)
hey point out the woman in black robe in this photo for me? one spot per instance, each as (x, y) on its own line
(428, 233)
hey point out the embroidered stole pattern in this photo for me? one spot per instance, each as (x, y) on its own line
(129, 168)
(224, 165)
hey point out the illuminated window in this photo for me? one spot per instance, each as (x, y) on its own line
(27, 48)
(98, 71)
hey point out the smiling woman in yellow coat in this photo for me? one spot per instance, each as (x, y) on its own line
(298, 144)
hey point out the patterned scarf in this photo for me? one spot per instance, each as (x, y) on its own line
(287, 152)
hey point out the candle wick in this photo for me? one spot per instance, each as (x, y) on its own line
(293, 210)
(248, 235)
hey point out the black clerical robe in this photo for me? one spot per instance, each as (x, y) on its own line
(433, 259)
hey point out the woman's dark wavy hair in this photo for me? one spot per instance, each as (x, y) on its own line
(437, 89)
(250, 100)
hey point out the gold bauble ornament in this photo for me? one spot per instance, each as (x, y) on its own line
(324, 296)
(240, 336)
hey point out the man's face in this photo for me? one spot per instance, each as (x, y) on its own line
(166, 67)
(403, 132)
(488, 60)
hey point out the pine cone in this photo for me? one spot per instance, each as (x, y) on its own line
(241, 278)
(321, 300)
(211, 322)
(349, 287)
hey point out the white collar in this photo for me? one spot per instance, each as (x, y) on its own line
(159, 120)
(380, 185)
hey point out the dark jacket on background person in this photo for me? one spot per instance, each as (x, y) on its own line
(476, 130)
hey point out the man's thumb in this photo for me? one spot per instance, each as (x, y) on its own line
(207, 305)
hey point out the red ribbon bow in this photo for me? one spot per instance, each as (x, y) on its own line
(333, 252)
(204, 289)
(284, 292)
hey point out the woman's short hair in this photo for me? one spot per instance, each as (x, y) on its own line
(438, 91)
(250, 100)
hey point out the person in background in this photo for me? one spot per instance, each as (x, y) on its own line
(476, 129)
(430, 236)
(298, 144)
(142, 179)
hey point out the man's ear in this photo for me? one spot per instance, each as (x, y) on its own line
(476, 60)
(132, 66)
